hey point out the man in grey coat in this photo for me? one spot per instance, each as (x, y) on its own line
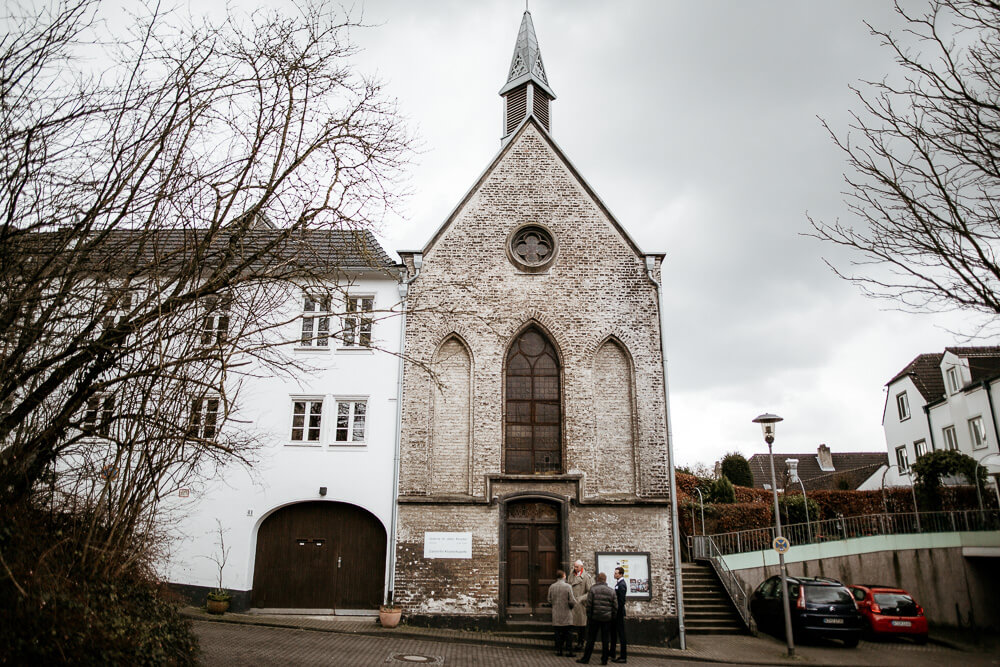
(581, 582)
(562, 601)
(601, 610)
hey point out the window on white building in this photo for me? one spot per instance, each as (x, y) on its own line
(315, 321)
(903, 406)
(307, 417)
(977, 432)
(215, 324)
(120, 303)
(920, 447)
(204, 420)
(953, 380)
(902, 459)
(98, 414)
(950, 438)
(358, 321)
(351, 421)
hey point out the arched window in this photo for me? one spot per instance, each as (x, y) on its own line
(533, 442)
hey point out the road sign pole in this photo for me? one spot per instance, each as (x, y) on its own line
(790, 640)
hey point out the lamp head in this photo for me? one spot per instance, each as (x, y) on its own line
(768, 423)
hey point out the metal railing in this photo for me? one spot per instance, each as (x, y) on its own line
(843, 528)
(729, 580)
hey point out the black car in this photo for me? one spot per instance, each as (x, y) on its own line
(820, 607)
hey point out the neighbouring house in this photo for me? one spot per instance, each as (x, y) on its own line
(943, 400)
(534, 411)
(824, 470)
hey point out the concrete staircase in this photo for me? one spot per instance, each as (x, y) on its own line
(707, 607)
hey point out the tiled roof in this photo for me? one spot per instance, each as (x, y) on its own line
(925, 370)
(984, 362)
(852, 468)
(314, 249)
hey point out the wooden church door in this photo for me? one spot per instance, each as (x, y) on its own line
(533, 555)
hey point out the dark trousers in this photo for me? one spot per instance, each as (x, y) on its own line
(606, 628)
(581, 635)
(564, 640)
(618, 636)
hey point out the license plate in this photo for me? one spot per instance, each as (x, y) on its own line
(902, 624)
(834, 621)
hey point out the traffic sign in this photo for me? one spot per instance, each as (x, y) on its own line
(781, 544)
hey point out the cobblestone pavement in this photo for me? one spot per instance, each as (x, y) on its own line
(287, 640)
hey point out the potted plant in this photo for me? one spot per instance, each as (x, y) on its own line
(389, 615)
(218, 601)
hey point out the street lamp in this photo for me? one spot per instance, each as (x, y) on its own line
(768, 422)
(793, 476)
(979, 494)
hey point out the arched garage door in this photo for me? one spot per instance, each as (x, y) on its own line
(320, 555)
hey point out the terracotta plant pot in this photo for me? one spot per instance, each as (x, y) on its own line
(389, 618)
(216, 606)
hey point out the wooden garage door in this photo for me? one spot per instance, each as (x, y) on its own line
(320, 555)
(533, 556)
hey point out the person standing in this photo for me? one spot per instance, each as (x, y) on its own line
(618, 633)
(601, 610)
(581, 582)
(562, 601)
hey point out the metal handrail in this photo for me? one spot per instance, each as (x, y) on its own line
(842, 528)
(706, 549)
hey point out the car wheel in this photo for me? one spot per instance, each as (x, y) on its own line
(852, 641)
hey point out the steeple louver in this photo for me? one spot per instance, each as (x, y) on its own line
(527, 89)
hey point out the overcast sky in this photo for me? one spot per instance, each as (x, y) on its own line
(696, 123)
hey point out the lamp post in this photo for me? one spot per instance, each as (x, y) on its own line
(793, 476)
(768, 422)
(979, 494)
(701, 502)
(913, 492)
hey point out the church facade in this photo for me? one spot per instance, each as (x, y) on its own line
(534, 420)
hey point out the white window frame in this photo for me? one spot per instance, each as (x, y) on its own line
(346, 424)
(920, 448)
(203, 421)
(121, 302)
(315, 331)
(954, 383)
(950, 438)
(977, 432)
(903, 406)
(902, 458)
(98, 413)
(357, 327)
(215, 320)
(305, 427)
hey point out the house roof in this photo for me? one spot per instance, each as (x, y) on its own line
(852, 468)
(925, 369)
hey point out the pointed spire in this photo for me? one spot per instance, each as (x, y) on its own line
(526, 63)
(527, 91)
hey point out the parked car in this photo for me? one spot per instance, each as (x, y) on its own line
(890, 611)
(820, 607)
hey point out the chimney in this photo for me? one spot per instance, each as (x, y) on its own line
(825, 458)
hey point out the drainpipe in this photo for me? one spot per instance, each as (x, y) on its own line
(993, 412)
(930, 430)
(674, 519)
(404, 287)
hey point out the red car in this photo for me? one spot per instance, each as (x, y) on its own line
(890, 612)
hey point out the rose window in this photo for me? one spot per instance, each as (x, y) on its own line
(532, 247)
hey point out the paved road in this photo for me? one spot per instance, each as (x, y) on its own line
(230, 644)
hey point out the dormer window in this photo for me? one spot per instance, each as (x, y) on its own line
(954, 383)
(903, 406)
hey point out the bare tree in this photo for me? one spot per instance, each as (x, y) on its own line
(924, 157)
(206, 173)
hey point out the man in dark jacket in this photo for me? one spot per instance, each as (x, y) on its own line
(601, 611)
(618, 633)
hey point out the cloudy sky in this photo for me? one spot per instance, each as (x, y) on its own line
(696, 123)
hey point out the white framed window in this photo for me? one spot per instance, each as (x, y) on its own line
(950, 438)
(902, 458)
(120, 303)
(920, 448)
(204, 418)
(215, 322)
(315, 321)
(903, 406)
(307, 420)
(352, 421)
(97, 415)
(358, 321)
(954, 383)
(977, 432)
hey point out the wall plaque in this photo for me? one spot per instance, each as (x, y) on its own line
(447, 545)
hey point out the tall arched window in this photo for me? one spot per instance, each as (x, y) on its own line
(533, 442)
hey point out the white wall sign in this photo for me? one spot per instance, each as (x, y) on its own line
(447, 545)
